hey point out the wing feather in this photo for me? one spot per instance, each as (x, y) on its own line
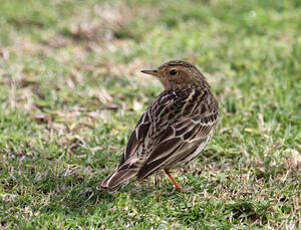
(184, 137)
(137, 138)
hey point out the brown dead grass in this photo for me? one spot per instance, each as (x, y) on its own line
(91, 31)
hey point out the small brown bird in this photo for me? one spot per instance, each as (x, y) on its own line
(174, 129)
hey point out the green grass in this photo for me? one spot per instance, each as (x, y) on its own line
(63, 63)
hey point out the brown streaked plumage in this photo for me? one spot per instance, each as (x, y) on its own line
(174, 129)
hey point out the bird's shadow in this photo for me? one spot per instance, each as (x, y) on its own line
(76, 194)
(83, 196)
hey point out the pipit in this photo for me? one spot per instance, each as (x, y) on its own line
(173, 131)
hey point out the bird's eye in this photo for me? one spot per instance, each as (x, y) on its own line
(173, 72)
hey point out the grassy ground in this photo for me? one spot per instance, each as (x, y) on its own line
(71, 93)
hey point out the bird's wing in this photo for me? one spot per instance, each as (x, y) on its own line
(141, 138)
(135, 145)
(181, 128)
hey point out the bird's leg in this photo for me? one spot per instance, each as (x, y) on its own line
(178, 187)
(159, 197)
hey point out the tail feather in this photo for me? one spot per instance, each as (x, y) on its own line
(115, 180)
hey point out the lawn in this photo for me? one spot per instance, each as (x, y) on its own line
(71, 92)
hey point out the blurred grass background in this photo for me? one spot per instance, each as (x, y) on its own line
(71, 92)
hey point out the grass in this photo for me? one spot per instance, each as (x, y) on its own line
(71, 93)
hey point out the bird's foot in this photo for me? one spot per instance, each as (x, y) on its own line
(183, 190)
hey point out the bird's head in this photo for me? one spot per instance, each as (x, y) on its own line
(178, 74)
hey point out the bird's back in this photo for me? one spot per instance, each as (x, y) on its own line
(183, 122)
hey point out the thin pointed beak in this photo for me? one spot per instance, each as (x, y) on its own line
(152, 72)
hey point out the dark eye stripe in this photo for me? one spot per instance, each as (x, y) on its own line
(173, 72)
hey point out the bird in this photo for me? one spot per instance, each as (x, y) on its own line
(174, 129)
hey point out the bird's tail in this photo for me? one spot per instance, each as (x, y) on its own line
(115, 180)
